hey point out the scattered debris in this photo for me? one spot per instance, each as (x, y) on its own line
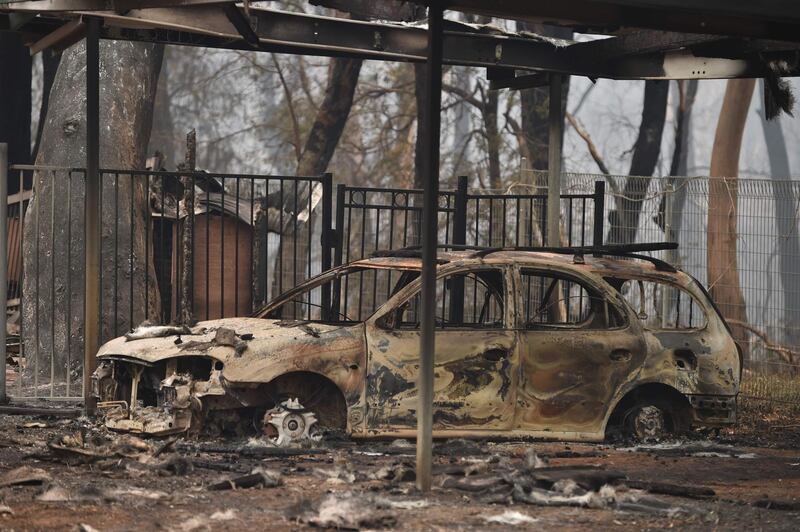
(75, 448)
(705, 449)
(251, 451)
(6, 510)
(25, 476)
(200, 521)
(512, 518)
(774, 504)
(335, 476)
(397, 472)
(257, 478)
(146, 330)
(677, 490)
(350, 511)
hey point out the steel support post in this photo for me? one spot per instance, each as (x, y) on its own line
(430, 228)
(3, 260)
(91, 309)
(554, 162)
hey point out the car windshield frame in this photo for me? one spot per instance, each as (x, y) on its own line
(331, 276)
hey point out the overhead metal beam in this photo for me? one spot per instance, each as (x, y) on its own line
(526, 81)
(774, 19)
(98, 5)
(283, 32)
(638, 43)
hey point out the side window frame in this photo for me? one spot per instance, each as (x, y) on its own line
(613, 304)
(698, 302)
(381, 317)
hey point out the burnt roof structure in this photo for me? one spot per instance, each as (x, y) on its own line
(647, 39)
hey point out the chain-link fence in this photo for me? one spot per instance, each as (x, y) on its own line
(741, 239)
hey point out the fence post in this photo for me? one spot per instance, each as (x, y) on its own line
(667, 293)
(460, 211)
(459, 238)
(599, 212)
(91, 305)
(3, 260)
(338, 243)
(327, 239)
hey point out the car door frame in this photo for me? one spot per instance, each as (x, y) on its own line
(601, 341)
(397, 373)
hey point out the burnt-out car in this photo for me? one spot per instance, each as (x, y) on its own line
(549, 345)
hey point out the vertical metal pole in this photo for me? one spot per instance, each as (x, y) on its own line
(666, 291)
(459, 237)
(430, 228)
(91, 314)
(3, 259)
(554, 162)
(599, 212)
(327, 242)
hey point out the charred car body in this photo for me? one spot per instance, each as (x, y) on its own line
(557, 345)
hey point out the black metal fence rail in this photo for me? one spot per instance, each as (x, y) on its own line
(369, 218)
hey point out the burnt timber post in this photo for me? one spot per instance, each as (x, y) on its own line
(430, 227)
(92, 211)
(554, 162)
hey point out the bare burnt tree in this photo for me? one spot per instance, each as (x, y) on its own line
(624, 219)
(129, 72)
(723, 270)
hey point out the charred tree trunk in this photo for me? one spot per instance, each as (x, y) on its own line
(316, 156)
(187, 234)
(787, 224)
(624, 219)
(53, 253)
(723, 271)
(15, 102)
(493, 138)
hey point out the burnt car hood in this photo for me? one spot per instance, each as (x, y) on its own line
(254, 337)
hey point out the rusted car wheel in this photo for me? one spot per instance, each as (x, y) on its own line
(303, 406)
(654, 420)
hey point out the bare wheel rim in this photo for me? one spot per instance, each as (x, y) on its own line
(649, 422)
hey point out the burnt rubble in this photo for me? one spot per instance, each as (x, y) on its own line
(337, 483)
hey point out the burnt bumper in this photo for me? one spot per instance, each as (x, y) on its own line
(713, 410)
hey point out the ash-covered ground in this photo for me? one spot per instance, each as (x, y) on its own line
(73, 474)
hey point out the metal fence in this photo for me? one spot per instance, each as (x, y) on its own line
(247, 238)
(766, 271)
(252, 237)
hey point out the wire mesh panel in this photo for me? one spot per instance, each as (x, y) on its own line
(738, 237)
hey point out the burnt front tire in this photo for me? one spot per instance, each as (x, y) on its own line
(652, 420)
(316, 393)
